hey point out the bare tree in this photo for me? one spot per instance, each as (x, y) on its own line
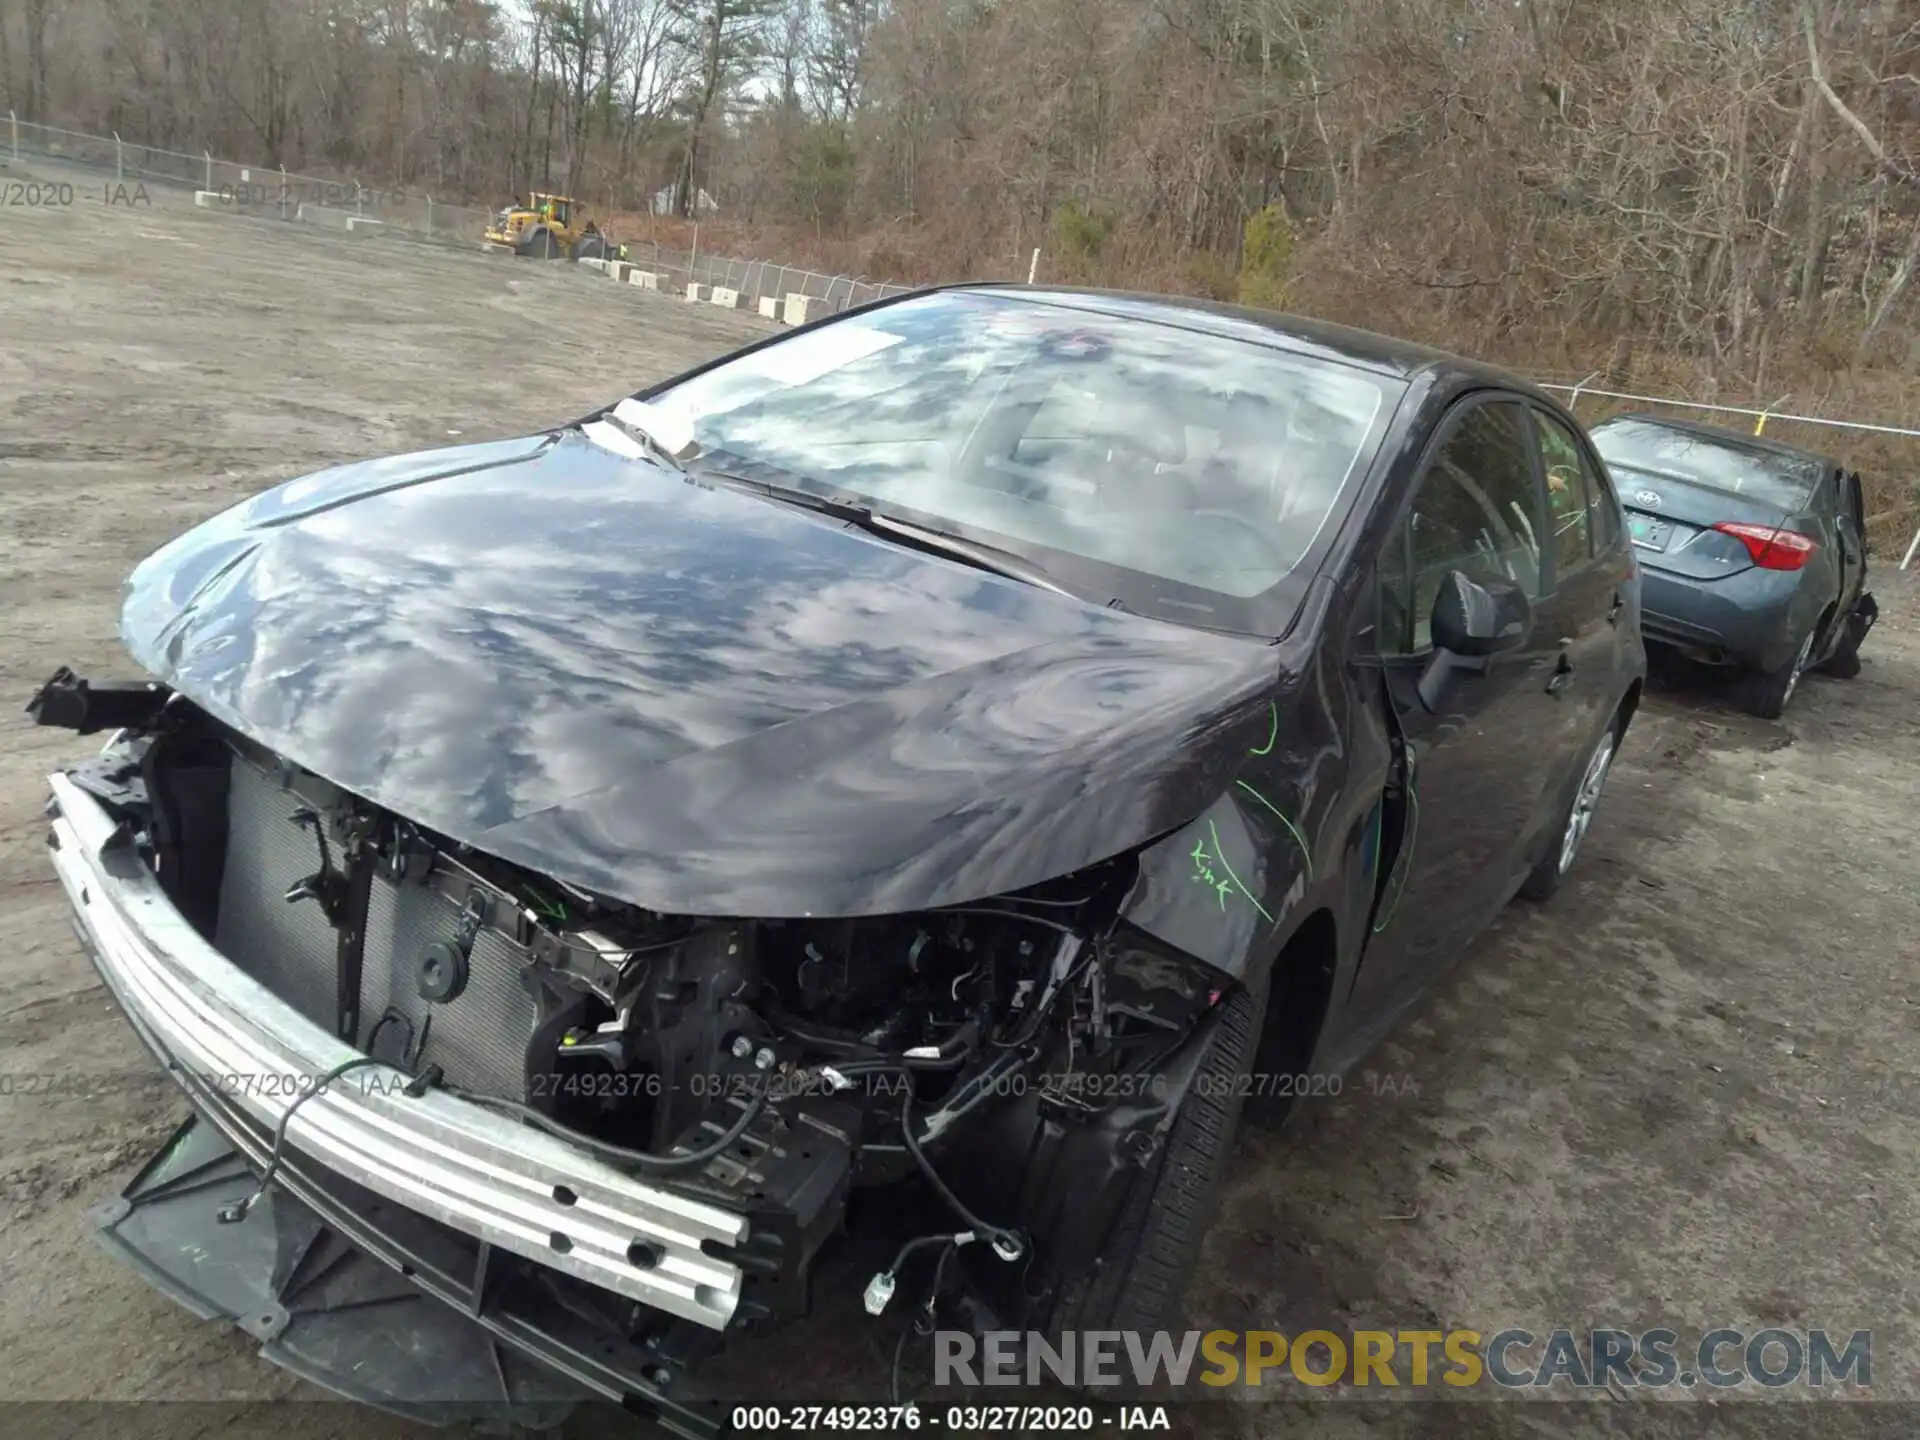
(35, 15)
(1894, 168)
(727, 37)
(1732, 186)
(836, 56)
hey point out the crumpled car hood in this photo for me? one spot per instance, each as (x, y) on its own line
(693, 700)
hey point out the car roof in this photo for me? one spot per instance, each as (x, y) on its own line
(1739, 438)
(1382, 354)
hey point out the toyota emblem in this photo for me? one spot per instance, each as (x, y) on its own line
(1649, 498)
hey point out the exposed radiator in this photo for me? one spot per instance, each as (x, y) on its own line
(289, 948)
(478, 1037)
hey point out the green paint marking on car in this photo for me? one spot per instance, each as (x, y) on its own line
(1236, 882)
(1203, 871)
(1292, 829)
(1273, 732)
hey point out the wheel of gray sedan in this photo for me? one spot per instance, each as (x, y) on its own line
(1844, 662)
(1766, 692)
(1557, 863)
(1140, 1277)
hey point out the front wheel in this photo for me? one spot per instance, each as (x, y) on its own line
(1547, 876)
(1141, 1277)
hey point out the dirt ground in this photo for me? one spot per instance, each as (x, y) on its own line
(1684, 1093)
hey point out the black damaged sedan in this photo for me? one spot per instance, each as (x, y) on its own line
(919, 782)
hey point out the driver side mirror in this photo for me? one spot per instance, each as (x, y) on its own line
(1477, 618)
(1472, 620)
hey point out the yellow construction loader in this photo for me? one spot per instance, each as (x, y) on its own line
(549, 227)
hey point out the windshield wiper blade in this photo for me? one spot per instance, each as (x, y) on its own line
(836, 506)
(981, 556)
(984, 557)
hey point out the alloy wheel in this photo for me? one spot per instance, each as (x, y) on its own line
(1799, 666)
(1585, 801)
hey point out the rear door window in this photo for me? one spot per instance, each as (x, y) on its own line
(1574, 484)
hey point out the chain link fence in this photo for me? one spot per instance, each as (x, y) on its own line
(756, 280)
(345, 206)
(349, 207)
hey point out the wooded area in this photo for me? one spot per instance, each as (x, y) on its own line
(1727, 186)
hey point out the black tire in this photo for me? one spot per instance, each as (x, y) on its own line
(1141, 1277)
(1844, 662)
(540, 245)
(1546, 878)
(1766, 692)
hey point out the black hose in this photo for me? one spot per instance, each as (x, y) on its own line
(921, 1243)
(972, 1221)
(975, 1091)
(818, 1037)
(1050, 997)
(238, 1211)
(644, 1159)
(924, 1322)
(980, 1086)
(899, 1353)
(877, 1064)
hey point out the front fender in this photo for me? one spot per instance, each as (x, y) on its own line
(1285, 837)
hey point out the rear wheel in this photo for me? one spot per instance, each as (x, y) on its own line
(1140, 1278)
(1547, 876)
(1766, 692)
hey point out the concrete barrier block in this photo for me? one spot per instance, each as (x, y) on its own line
(212, 199)
(796, 311)
(325, 215)
(696, 292)
(592, 264)
(363, 224)
(725, 297)
(645, 279)
(770, 307)
(617, 270)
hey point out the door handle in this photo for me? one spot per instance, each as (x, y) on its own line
(1562, 673)
(1613, 611)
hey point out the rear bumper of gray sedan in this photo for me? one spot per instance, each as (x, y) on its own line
(1747, 620)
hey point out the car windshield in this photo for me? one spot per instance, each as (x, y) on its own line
(1184, 473)
(1663, 453)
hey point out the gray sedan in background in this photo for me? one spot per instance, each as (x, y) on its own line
(1753, 553)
